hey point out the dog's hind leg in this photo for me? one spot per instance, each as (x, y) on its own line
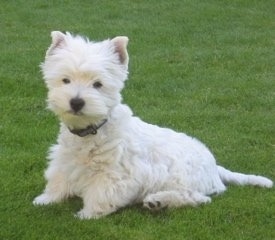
(174, 198)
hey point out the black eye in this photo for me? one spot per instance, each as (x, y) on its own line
(97, 85)
(66, 80)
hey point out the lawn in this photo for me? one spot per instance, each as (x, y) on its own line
(206, 68)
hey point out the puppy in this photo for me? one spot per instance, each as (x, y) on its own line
(109, 157)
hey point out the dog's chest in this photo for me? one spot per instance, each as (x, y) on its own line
(90, 156)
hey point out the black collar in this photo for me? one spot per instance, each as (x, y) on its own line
(91, 129)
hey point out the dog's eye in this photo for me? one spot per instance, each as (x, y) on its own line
(97, 85)
(66, 80)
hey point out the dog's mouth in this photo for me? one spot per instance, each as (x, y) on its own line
(75, 113)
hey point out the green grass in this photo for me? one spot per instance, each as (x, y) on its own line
(203, 67)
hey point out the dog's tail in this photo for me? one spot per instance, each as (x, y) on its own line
(243, 179)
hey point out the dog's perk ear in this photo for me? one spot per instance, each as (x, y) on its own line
(120, 44)
(58, 38)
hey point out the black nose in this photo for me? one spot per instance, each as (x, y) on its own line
(77, 104)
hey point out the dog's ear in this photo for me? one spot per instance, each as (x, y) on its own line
(58, 39)
(120, 44)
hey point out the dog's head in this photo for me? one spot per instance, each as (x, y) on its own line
(84, 78)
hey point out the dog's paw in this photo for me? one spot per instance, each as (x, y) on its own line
(81, 215)
(42, 199)
(198, 199)
(84, 215)
(153, 205)
(94, 213)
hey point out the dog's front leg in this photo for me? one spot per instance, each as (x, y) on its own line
(57, 187)
(96, 205)
(106, 196)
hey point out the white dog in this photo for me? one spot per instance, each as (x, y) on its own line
(107, 156)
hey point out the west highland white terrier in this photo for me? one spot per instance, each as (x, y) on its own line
(104, 154)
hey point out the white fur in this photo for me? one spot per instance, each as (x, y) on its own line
(128, 161)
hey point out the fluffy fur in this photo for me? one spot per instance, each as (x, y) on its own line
(127, 161)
